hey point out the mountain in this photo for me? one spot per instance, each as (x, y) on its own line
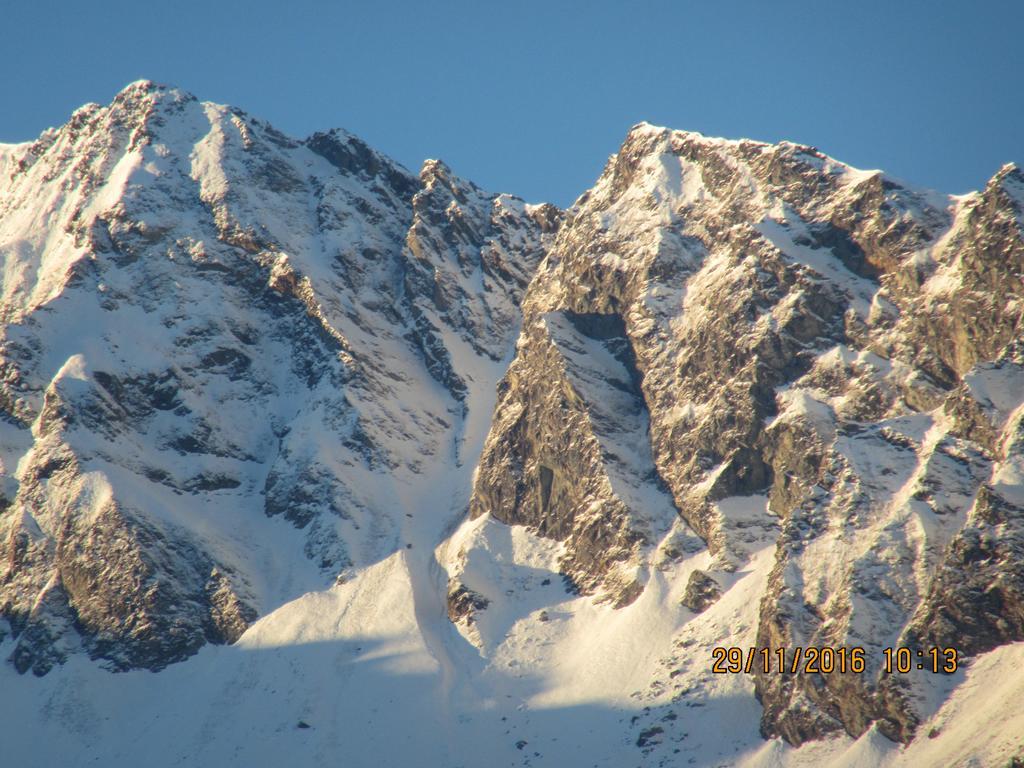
(401, 471)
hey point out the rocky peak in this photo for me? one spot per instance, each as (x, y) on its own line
(780, 316)
(1010, 171)
(213, 328)
(436, 172)
(351, 155)
(237, 367)
(470, 255)
(1006, 189)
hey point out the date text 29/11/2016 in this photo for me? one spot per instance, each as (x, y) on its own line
(828, 660)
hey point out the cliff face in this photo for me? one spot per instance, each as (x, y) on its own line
(204, 321)
(236, 367)
(762, 321)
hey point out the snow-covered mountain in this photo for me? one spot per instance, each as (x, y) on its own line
(307, 458)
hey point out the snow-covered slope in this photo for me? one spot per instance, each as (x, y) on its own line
(831, 338)
(304, 458)
(214, 335)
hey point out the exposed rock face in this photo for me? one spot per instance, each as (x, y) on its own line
(463, 603)
(221, 344)
(900, 491)
(568, 451)
(701, 592)
(791, 327)
(470, 261)
(205, 321)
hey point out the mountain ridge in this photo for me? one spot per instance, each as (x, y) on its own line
(237, 368)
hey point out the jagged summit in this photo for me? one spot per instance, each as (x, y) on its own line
(781, 316)
(204, 314)
(677, 137)
(1009, 169)
(145, 86)
(1010, 178)
(784, 157)
(331, 445)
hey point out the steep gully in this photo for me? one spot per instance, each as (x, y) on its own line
(435, 506)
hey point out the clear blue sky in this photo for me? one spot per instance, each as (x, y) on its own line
(531, 97)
